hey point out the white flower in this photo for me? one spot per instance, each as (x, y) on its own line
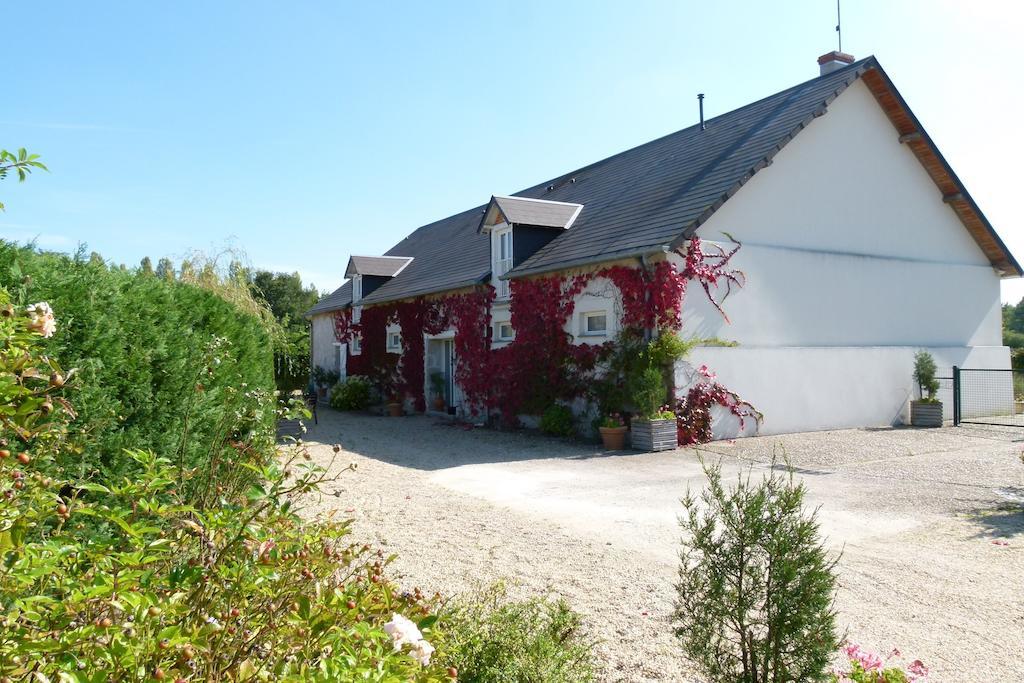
(402, 631)
(42, 321)
(421, 652)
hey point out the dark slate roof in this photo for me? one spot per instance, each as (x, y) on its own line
(339, 298)
(385, 266)
(523, 211)
(641, 201)
(449, 254)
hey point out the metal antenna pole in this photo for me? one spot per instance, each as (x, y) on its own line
(839, 24)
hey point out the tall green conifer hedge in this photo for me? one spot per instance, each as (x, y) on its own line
(143, 346)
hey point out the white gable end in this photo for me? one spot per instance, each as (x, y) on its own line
(847, 242)
(846, 184)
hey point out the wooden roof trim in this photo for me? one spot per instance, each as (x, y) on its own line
(913, 134)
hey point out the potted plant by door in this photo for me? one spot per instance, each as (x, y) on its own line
(437, 390)
(324, 380)
(926, 411)
(395, 406)
(654, 429)
(613, 432)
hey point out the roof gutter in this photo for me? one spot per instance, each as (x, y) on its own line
(588, 261)
(427, 292)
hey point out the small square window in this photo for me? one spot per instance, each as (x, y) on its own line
(394, 342)
(505, 332)
(595, 323)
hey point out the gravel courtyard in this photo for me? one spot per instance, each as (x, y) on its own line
(929, 523)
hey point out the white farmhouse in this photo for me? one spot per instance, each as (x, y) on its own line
(859, 246)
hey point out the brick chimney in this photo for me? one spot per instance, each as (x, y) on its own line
(830, 61)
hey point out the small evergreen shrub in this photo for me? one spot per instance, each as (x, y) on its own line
(924, 375)
(756, 585)
(352, 394)
(648, 393)
(491, 639)
(557, 420)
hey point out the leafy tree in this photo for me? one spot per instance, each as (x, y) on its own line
(756, 585)
(285, 294)
(146, 266)
(165, 269)
(289, 300)
(21, 163)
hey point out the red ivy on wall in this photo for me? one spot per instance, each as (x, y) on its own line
(542, 364)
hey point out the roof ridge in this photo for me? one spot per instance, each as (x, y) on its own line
(731, 112)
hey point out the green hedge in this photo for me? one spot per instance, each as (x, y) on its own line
(162, 365)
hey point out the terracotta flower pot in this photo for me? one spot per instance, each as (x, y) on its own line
(395, 409)
(439, 403)
(614, 438)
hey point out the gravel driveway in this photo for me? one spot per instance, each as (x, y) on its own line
(922, 517)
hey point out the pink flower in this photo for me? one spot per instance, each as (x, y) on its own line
(918, 671)
(706, 372)
(868, 661)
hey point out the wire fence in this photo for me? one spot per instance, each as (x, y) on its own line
(988, 396)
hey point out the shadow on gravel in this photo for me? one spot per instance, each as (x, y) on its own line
(1004, 520)
(430, 444)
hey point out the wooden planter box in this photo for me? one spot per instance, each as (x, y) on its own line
(654, 435)
(925, 414)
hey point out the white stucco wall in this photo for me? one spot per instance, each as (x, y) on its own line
(324, 348)
(814, 388)
(852, 263)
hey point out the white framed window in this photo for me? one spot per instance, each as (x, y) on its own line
(503, 332)
(594, 324)
(394, 342)
(357, 288)
(357, 345)
(502, 260)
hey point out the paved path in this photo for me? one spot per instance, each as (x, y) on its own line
(914, 512)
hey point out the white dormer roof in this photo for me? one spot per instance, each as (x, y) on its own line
(384, 266)
(525, 211)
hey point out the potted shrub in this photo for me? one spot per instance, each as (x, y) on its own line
(613, 432)
(395, 406)
(437, 390)
(654, 429)
(926, 411)
(324, 380)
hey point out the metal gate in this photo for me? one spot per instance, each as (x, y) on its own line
(988, 396)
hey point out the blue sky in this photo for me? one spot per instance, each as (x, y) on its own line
(302, 131)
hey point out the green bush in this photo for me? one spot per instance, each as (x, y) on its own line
(493, 640)
(163, 365)
(756, 586)
(924, 375)
(154, 588)
(352, 394)
(648, 392)
(557, 420)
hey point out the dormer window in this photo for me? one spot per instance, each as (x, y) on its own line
(531, 223)
(357, 288)
(502, 241)
(370, 272)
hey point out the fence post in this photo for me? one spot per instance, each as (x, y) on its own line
(956, 396)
